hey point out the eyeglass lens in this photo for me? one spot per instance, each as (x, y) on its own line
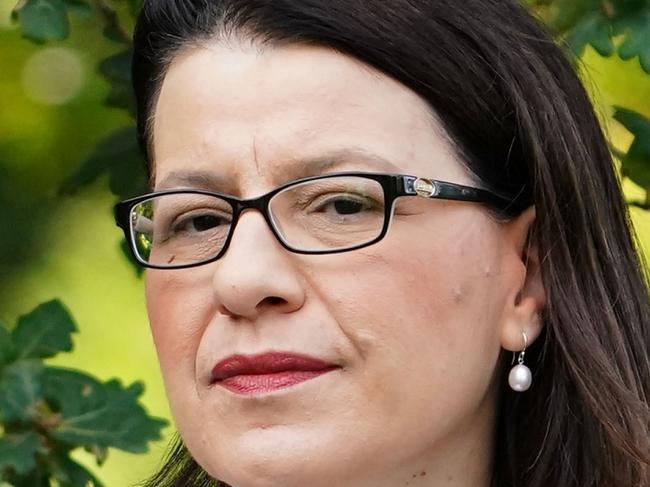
(321, 215)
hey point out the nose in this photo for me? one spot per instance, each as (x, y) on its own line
(256, 274)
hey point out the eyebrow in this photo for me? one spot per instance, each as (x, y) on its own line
(314, 166)
(194, 179)
(293, 169)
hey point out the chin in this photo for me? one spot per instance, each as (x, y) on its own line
(272, 456)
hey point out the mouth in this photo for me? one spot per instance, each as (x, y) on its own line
(267, 372)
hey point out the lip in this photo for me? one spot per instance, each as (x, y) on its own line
(267, 372)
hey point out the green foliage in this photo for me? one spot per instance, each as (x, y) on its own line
(117, 156)
(636, 163)
(594, 29)
(21, 387)
(636, 30)
(44, 332)
(117, 71)
(46, 20)
(7, 350)
(43, 20)
(18, 452)
(609, 26)
(108, 416)
(47, 412)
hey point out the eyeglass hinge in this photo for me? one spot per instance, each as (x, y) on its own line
(420, 186)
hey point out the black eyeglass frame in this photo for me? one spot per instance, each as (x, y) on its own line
(393, 185)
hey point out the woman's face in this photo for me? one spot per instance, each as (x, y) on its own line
(411, 327)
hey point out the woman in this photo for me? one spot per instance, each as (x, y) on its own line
(363, 213)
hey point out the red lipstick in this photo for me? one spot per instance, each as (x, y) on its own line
(255, 374)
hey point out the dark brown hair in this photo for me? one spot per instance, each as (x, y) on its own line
(520, 119)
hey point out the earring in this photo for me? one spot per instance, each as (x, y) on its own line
(520, 377)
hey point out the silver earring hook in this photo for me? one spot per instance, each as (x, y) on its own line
(520, 360)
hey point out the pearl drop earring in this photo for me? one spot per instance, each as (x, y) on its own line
(520, 377)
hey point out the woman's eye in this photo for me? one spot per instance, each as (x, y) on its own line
(344, 205)
(198, 223)
(347, 207)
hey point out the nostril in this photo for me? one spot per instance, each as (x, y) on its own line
(274, 300)
(269, 301)
(225, 311)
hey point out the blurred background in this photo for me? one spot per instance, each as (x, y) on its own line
(63, 91)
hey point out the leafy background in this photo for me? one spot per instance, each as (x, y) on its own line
(67, 153)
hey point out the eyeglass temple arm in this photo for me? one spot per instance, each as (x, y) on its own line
(431, 188)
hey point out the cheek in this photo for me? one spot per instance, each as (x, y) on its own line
(423, 313)
(178, 304)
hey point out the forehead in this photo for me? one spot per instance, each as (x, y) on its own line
(254, 116)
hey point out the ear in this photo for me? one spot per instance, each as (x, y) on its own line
(525, 303)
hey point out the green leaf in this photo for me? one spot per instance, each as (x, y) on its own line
(135, 6)
(70, 474)
(113, 29)
(113, 32)
(21, 390)
(43, 20)
(36, 478)
(118, 156)
(121, 96)
(17, 452)
(100, 453)
(7, 350)
(636, 163)
(117, 67)
(594, 29)
(634, 122)
(565, 14)
(636, 29)
(106, 415)
(117, 71)
(80, 7)
(44, 332)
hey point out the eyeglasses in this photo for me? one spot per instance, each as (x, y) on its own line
(327, 214)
